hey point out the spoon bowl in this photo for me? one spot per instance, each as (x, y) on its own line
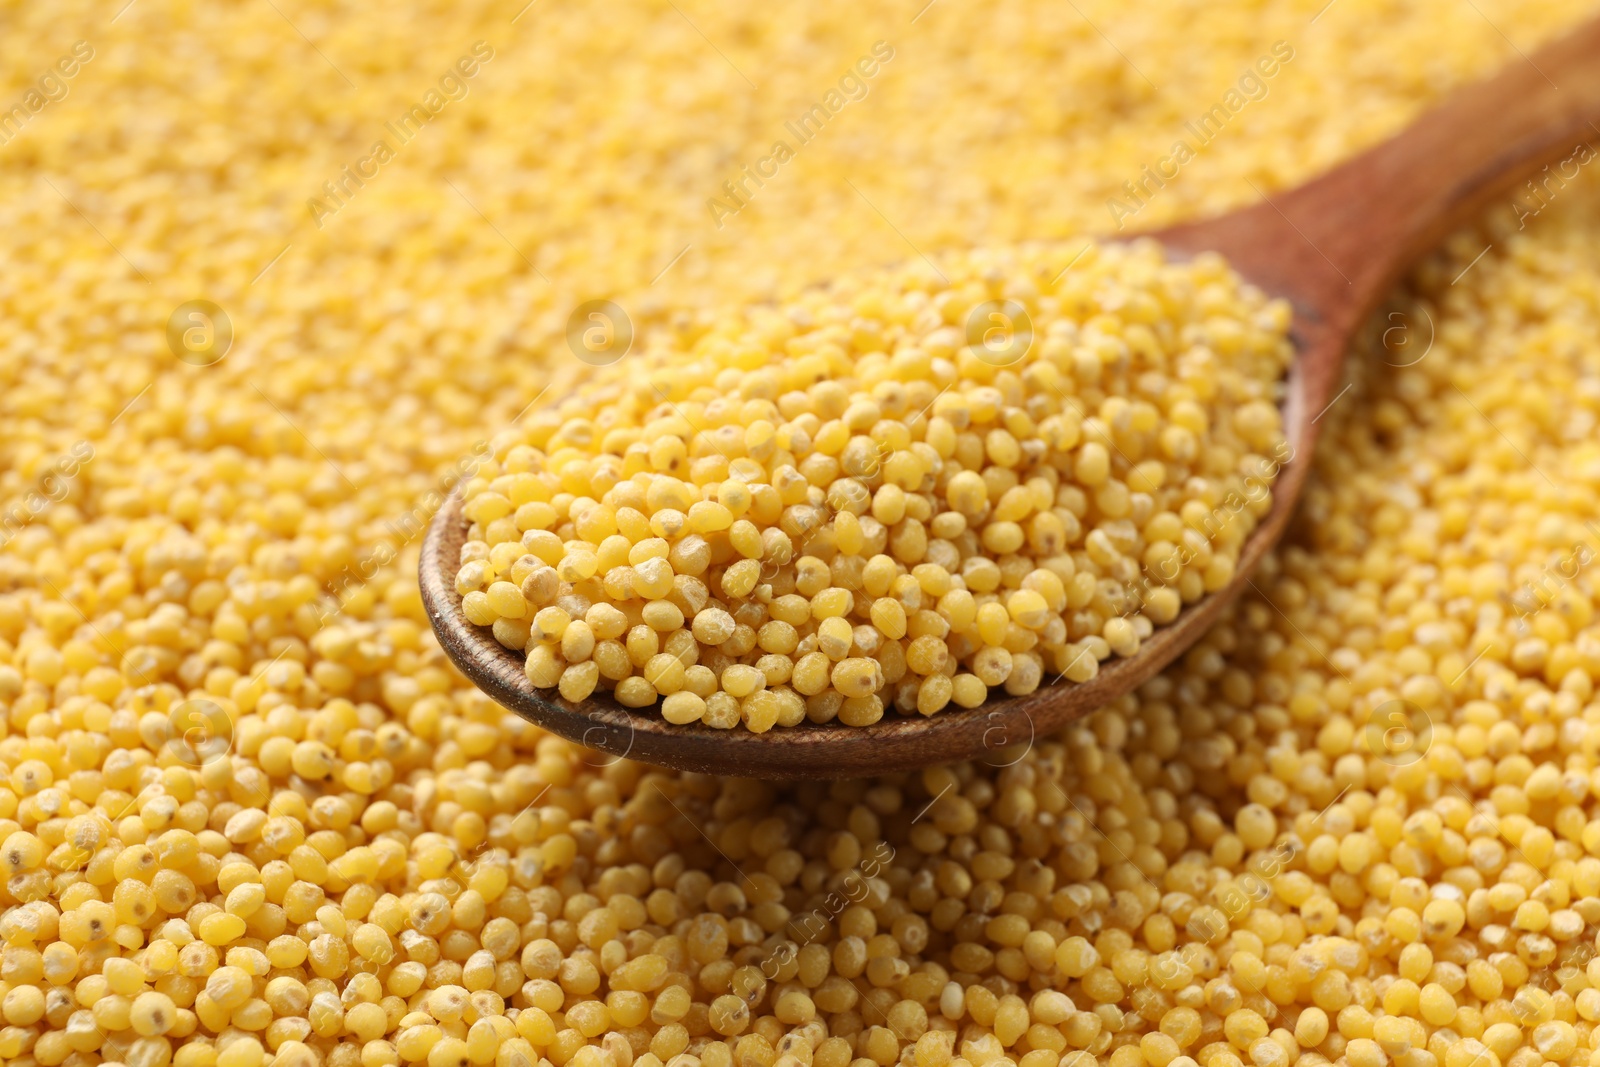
(1332, 248)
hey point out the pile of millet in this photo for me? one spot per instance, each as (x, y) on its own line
(904, 490)
(250, 815)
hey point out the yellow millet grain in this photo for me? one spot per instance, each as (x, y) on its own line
(1261, 858)
(1007, 464)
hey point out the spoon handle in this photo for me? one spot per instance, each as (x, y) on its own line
(1336, 244)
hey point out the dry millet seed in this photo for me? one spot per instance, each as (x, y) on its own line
(194, 553)
(862, 500)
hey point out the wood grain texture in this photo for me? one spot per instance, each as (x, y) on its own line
(1332, 247)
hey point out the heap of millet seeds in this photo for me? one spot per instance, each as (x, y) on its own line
(1357, 825)
(902, 491)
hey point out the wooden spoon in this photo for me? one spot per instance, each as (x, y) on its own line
(1332, 247)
